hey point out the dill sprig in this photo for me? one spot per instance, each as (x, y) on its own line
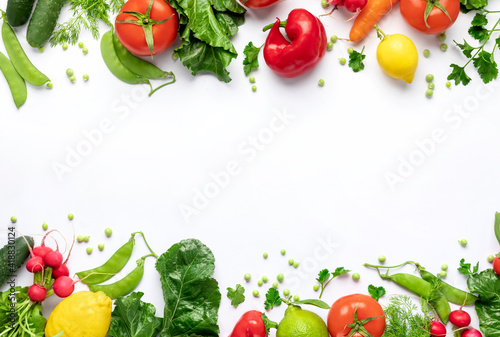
(87, 14)
(405, 318)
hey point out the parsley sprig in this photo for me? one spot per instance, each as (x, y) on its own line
(325, 277)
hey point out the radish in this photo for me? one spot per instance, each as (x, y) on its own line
(53, 259)
(37, 293)
(63, 286)
(336, 2)
(355, 5)
(437, 329)
(35, 264)
(471, 332)
(460, 318)
(41, 250)
(62, 270)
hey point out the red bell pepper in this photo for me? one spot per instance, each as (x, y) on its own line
(250, 325)
(306, 47)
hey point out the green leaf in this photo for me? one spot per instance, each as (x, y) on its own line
(479, 33)
(192, 297)
(339, 271)
(323, 275)
(132, 317)
(251, 60)
(230, 5)
(376, 292)
(468, 5)
(486, 66)
(356, 60)
(236, 295)
(230, 22)
(479, 20)
(318, 303)
(465, 268)
(272, 299)
(458, 75)
(466, 48)
(487, 285)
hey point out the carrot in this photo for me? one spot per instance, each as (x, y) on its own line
(368, 17)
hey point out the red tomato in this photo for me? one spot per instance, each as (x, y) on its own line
(342, 313)
(256, 4)
(496, 265)
(132, 36)
(413, 12)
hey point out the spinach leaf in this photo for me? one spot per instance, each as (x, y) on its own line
(192, 296)
(487, 285)
(132, 317)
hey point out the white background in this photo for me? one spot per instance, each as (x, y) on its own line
(319, 180)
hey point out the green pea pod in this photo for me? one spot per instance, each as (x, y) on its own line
(423, 289)
(124, 286)
(16, 83)
(497, 226)
(452, 294)
(114, 264)
(19, 59)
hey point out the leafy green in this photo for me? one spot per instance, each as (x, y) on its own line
(404, 318)
(324, 277)
(272, 299)
(376, 292)
(478, 27)
(465, 268)
(458, 75)
(236, 295)
(132, 317)
(486, 66)
(28, 320)
(468, 5)
(192, 297)
(486, 285)
(251, 60)
(356, 60)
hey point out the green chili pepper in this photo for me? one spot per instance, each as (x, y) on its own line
(125, 285)
(114, 264)
(452, 294)
(16, 82)
(19, 59)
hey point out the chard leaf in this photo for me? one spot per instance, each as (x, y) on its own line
(230, 22)
(132, 317)
(192, 297)
(487, 285)
(230, 5)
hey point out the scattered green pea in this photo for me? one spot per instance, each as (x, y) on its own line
(79, 238)
(490, 258)
(427, 53)
(175, 56)
(444, 267)
(443, 47)
(100, 246)
(431, 86)
(70, 216)
(80, 44)
(64, 46)
(13, 219)
(342, 60)
(41, 49)
(72, 78)
(429, 78)
(283, 252)
(45, 226)
(247, 277)
(286, 292)
(290, 262)
(324, 3)
(463, 242)
(334, 38)
(50, 85)
(254, 88)
(356, 276)
(316, 287)
(381, 258)
(260, 283)
(108, 231)
(85, 77)
(448, 84)
(321, 82)
(69, 72)
(329, 45)
(89, 250)
(442, 37)
(85, 51)
(280, 277)
(265, 279)
(251, 79)
(86, 238)
(296, 297)
(275, 285)
(443, 273)
(296, 264)
(350, 50)
(429, 93)
(255, 293)
(265, 255)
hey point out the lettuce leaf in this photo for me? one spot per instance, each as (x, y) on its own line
(192, 297)
(487, 285)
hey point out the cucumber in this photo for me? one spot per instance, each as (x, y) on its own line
(43, 21)
(13, 255)
(19, 11)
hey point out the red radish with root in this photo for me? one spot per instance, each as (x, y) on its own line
(460, 318)
(437, 329)
(336, 2)
(355, 5)
(64, 286)
(471, 332)
(53, 259)
(35, 264)
(37, 293)
(41, 250)
(62, 270)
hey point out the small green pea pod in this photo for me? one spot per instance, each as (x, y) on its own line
(114, 264)
(19, 59)
(125, 285)
(16, 83)
(452, 294)
(497, 226)
(423, 289)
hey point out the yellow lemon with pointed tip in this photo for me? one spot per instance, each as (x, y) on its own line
(82, 314)
(301, 323)
(397, 56)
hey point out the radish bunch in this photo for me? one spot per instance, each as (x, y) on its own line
(351, 5)
(461, 319)
(51, 272)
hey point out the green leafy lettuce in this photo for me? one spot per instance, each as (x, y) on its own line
(192, 297)
(486, 285)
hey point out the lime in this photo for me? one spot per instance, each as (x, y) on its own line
(301, 323)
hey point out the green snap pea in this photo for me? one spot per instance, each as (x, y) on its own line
(123, 286)
(114, 264)
(19, 59)
(497, 226)
(16, 83)
(454, 295)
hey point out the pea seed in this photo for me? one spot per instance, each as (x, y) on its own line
(247, 277)
(283, 252)
(381, 258)
(108, 231)
(69, 71)
(255, 293)
(85, 51)
(251, 79)
(290, 262)
(70, 216)
(444, 267)
(324, 3)
(443, 47)
(342, 61)
(41, 49)
(350, 50)
(296, 264)
(356, 276)
(275, 285)
(89, 250)
(329, 45)
(429, 78)
(296, 297)
(280, 277)
(80, 44)
(463, 242)
(85, 77)
(64, 46)
(100, 246)
(316, 287)
(442, 37)
(50, 85)
(72, 78)
(13, 219)
(427, 53)
(260, 283)
(448, 84)
(254, 88)
(443, 273)
(79, 238)
(490, 258)
(86, 238)
(429, 93)
(431, 86)
(265, 279)
(265, 255)
(45, 226)
(334, 38)
(321, 82)
(175, 56)
(286, 292)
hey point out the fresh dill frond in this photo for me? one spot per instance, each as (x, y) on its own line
(404, 318)
(87, 14)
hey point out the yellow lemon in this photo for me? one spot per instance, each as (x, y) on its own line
(398, 57)
(301, 323)
(82, 314)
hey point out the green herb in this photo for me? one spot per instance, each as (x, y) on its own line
(132, 317)
(86, 14)
(272, 299)
(192, 297)
(356, 60)
(403, 317)
(465, 268)
(324, 276)
(251, 60)
(487, 285)
(236, 295)
(468, 5)
(376, 292)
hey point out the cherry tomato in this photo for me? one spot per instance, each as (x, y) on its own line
(413, 11)
(132, 36)
(342, 313)
(256, 4)
(496, 265)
